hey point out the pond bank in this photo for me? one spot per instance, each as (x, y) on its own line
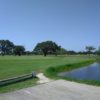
(53, 71)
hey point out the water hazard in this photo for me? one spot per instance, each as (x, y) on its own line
(91, 72)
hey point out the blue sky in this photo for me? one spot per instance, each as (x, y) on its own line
(73, 24)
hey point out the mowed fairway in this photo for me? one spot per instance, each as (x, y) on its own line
(12, 66)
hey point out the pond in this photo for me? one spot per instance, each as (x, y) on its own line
(91, 72)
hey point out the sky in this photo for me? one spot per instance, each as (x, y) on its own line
(72, 24)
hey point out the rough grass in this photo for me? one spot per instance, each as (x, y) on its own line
(20, 85)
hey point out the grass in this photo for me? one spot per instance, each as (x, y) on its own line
(16, 86)
(53, 71)
(12, 66)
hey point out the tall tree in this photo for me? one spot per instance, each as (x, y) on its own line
(47, 47)
(19, 50)
(6, 47)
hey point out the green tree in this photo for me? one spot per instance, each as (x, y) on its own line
(47, 47)
(6, 47)
(19, 50)
(62, 51)
(98, 51)
(71, 52)
(89, 49)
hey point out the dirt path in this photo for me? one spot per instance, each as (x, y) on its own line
(55, 90)
(42, 78)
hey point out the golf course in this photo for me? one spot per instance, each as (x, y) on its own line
(14, 66)
(49, 49)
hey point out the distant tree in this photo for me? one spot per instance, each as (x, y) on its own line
(62, 51)
(47, 47)
(82, 52)
(6, 47)
(28, 53)
(19, 50)
(89, 49)
(71, 52)
(98, 51)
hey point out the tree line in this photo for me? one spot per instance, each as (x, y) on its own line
(44, 48)
(8, 48)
